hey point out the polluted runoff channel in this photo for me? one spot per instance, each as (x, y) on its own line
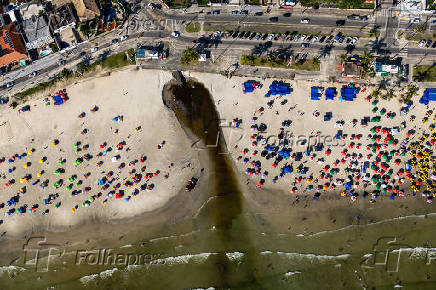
(195, 110)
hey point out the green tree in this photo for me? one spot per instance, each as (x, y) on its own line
(389, 95)
(189, 56)
(376, 93)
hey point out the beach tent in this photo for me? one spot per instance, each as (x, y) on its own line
(347, 94)
(314, 93)
(278, 88)
(57, 100)
(429, 95)
(249, 86)
(330, 94)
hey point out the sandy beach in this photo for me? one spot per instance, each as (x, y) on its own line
(139, 102)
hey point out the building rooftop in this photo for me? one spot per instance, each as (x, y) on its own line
(37, 32)
(11, 46)
(62, 17)
(351, 69)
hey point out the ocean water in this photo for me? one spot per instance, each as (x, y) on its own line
(228, 246)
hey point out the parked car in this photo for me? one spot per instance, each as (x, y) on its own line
(287, 14)
(62, 62)
(303, 37)
(124, 37)
(273, 19)
(363, 18)
(235, 34)
(264, 36)
(415, 20)
(216, 12)
(297, 37)
(315, 38)
(94, 49)
(10, 84)
(258, 36)
(271, 37)
(113, 41)
(421, 43)
(305, 45)
(234, 12)
(353, 17)
(247, 34)
(260, 13)
(252, 35)
(340, 22)
(428, 43)
(175, 34)
(305, 20)
(33, 74)
(341, 39)
(322, 39)
(244, 12)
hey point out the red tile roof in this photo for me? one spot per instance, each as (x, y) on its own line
(11, 46)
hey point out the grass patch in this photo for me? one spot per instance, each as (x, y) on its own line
(193, 27)
(307, 64)
(111, 62)
(424, 73)
(368, 6)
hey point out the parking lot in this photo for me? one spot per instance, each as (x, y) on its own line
(305, 39)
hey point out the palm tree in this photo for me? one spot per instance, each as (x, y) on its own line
(376, 93)
(389, 95)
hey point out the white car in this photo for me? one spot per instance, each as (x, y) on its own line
(315, 39)
(33, 74)
(175, 34)
(355, 40)
(303, 37)
(94, 49)
(415, 20)
(421, 43)
(305, 20)
(124, 37)
(271, 36)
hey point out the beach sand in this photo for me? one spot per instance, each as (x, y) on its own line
(136, 95)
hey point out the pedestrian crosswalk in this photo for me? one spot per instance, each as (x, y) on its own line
(404, 51)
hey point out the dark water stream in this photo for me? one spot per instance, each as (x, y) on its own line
(195, 109)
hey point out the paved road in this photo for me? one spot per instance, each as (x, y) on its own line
(315, 20)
